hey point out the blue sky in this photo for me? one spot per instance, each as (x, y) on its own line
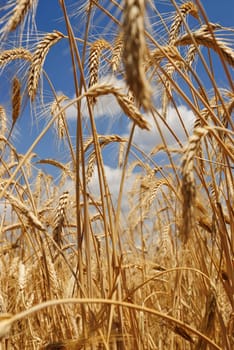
(58, 66)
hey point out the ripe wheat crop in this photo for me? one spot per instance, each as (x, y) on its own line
(116, 176)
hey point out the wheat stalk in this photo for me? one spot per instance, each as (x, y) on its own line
(38, 60)
(135, 51)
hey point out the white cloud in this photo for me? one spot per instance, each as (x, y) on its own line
(147, 140)
(71, 112)
(113, 178)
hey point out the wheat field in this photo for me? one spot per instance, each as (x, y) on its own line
(117, 231)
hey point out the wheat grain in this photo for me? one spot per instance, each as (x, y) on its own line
(101, 90)
(135, 51)
(38, 60)
(166, 244)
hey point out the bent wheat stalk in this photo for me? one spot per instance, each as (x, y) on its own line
(6, 324)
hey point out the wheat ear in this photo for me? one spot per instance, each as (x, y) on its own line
(15, 99)
(23, 209)
(135, 51)
(38, 60)
(14, 54)
(157, 55)
(59, 217)
(188, 188)
(94, 61)
(203, 36)
(117, 52)
(190, 56)
(124, 102)
(21, 9)
(185, 9)
(3, 121)
(60, 121)
(169, 52)
(104, 140)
